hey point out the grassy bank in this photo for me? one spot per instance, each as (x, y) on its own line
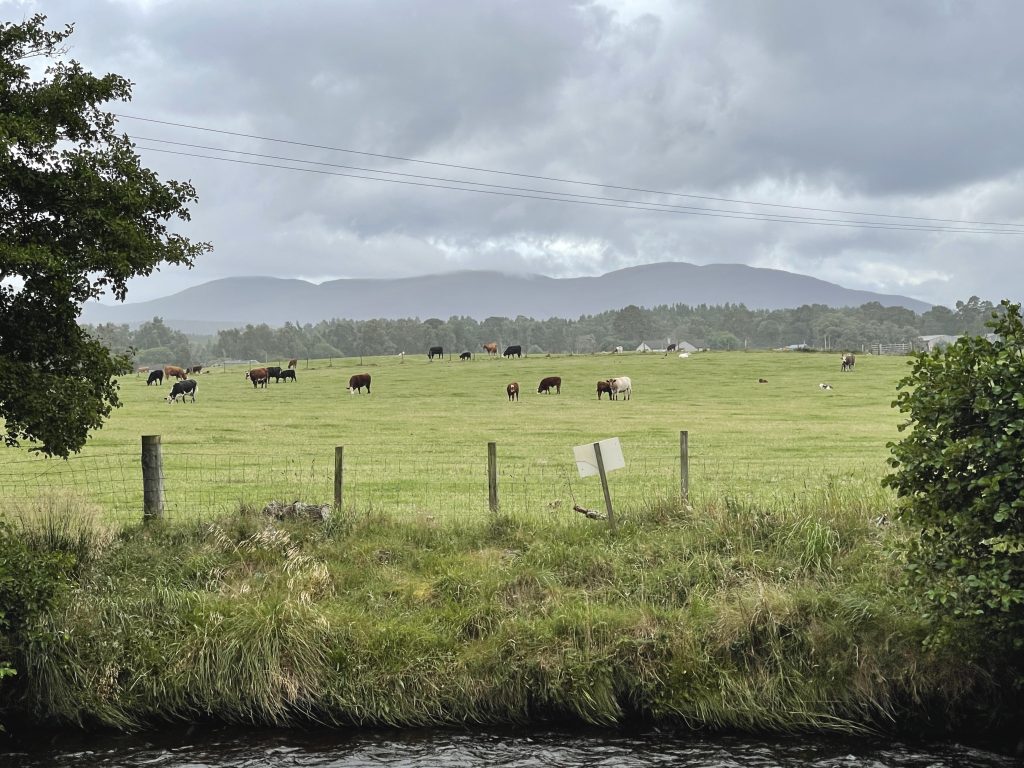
(778, 615)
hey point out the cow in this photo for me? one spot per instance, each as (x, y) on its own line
(491, 348)
(604, 386)
(274, 372)
(288, 375)
(357, 382)
(549, 382)
(466, 356)
(435, 352)
(173, 370)
(670, 348)
(194, 369)
(187, 387)
(618, 350)
(293, 362)
(762, 381)
(622, 385)
(824, 385)
(155, 377)
(513, 391)
(513, 350)
(258, 377)
(848, 361)
(141, 370)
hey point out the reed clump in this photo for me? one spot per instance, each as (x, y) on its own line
(778, 614)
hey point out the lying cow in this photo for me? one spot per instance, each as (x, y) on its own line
(183, 388)
(357, 382)
(622, 385)
(604, 386)
(549, 383)
(513, 391)
(155, 377)
(258, 377)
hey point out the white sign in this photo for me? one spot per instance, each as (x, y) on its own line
(611, 456)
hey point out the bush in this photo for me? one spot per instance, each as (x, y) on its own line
(958, 475)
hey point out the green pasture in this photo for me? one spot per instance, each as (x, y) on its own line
(418, 443)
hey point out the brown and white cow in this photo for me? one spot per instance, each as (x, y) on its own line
(548, 383)
(173, 370)
(258, 377)
(357, 382)
(513, 391)
(848, 361)
(491, 348)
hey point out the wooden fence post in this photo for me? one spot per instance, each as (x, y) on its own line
(152, 478)
(604, 486)
(684, 465)
(492, 475)
(339, 468)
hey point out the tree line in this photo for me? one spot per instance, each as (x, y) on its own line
(720, 327)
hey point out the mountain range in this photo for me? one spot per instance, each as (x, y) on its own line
(234, 302)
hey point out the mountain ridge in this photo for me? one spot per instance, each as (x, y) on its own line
(232, 302)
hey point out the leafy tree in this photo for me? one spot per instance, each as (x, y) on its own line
(79, 216)
(958, 475)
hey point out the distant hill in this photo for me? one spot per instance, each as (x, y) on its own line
(236, 301)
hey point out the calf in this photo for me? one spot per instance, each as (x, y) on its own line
(258, 377)
(513, 350)
(357, 382)
(513, 391)
(183, 388)
(604, 386)
(173, 370)
(288, 375)
(155, 377)
(549, 383)
(435, 352)
(466, 356)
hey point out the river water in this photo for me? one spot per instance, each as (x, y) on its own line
(525, 748)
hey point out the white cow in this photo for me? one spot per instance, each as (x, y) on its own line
(622, 384)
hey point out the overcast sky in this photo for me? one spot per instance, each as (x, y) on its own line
(888, 108)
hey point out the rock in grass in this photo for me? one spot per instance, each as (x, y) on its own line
(297, 509)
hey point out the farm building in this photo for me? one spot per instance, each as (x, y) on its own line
(644, 347)
(928, 343)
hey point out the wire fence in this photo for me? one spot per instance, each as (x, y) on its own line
(407, 479)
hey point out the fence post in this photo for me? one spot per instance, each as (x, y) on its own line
(604, 486)
(152, 478)
(492, 475)
(684, 465)
(339, 467)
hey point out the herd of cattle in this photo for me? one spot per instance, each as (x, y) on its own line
(621, 385)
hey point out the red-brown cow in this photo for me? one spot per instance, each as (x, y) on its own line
(258, 376)
(549, 383)
(491, 348)
(604, 386)
(173, 370)
(357, 382)
(513, 391)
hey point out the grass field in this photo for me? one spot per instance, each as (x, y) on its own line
(418, 444)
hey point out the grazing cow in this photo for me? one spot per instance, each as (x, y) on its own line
(435, 352)
(762, 381)
(546, 385)
(187, 387)
(848, 361)
(618, 350)
(293, 362)
(466, 356)
(670, 348)
(491, 348)
(603, 386)
(513, 350)
(194, 369)
(288, 375)
(623, 385)
(823, 385)
(258, 377)
(173, 370)
(357, 382)
(155, 377)
(513, 391)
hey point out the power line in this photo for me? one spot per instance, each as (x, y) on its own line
(554, 197)
(568, 181)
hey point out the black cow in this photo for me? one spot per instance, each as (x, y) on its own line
(155, 377)
(514, 349)
(274, 372)
(357, 382)
(670, 348)
(288, 375)
(187, 387)
(466, 356)
(848, 361)
(435, 352)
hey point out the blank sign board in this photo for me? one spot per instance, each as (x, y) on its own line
(611, 455)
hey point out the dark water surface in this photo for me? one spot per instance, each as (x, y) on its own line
(248, 748)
